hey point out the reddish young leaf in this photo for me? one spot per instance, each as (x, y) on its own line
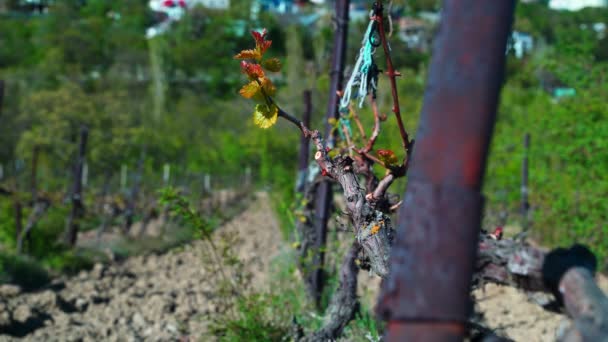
(261, 44)
(388, 157)
(252, 70)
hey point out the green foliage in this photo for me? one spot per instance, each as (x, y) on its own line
(260, 317)
(364, 327)
(568, 152)
(179, 206)
(22, 271)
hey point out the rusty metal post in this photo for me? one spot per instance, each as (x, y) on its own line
(323, 195)
(426, 296)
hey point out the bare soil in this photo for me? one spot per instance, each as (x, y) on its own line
(164, 297)
(153, 298)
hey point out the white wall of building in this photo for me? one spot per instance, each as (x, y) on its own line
(216, 4)
(575, 5)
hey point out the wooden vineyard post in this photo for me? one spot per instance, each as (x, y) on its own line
(1, 96)
(525, 204)
(85, 174)
(123, 177)
(25, 234)
(166, 174)
(304, 154)
(130, 210)
(106, 212)
(18, 210)
(323, 196)
(305, 229)
(247, 177)
(77, 211)
(34, 174)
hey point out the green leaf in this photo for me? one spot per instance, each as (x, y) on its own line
(272, 64)
(265, 116)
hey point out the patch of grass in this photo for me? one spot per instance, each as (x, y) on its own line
(270, 315)
(365, 327)
(22, 271)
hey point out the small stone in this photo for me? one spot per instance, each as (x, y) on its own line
(81, 304)
(45, 300)
(8, 290)
(22, 313)
(5, 318)
(138, 320)
(171, 328)
(141, 283)
(98, 271)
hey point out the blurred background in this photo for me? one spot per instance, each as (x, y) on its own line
(152, 88)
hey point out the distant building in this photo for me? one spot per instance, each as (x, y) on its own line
(415, 33)
(575, 5)
(358, 11)
(554, 86)
(169, 11)
(279, 6)
(521, 43)
(599, 28)
(431, 17)
(214, 4)
(25, 6)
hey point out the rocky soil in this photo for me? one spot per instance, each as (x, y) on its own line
(510, 312)
(166, 297)
(154, 298)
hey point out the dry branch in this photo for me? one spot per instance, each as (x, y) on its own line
(40, 207)
(567, 273)
(373, 228)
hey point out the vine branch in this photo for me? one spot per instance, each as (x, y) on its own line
(392, 74)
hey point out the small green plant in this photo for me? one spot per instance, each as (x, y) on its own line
(240, 313)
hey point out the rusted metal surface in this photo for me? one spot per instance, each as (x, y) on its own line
(432, 264)
(323, 196)
(426, 296)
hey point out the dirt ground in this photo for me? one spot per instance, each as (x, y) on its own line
(510, 312)
(163, 297)
(152, 298)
